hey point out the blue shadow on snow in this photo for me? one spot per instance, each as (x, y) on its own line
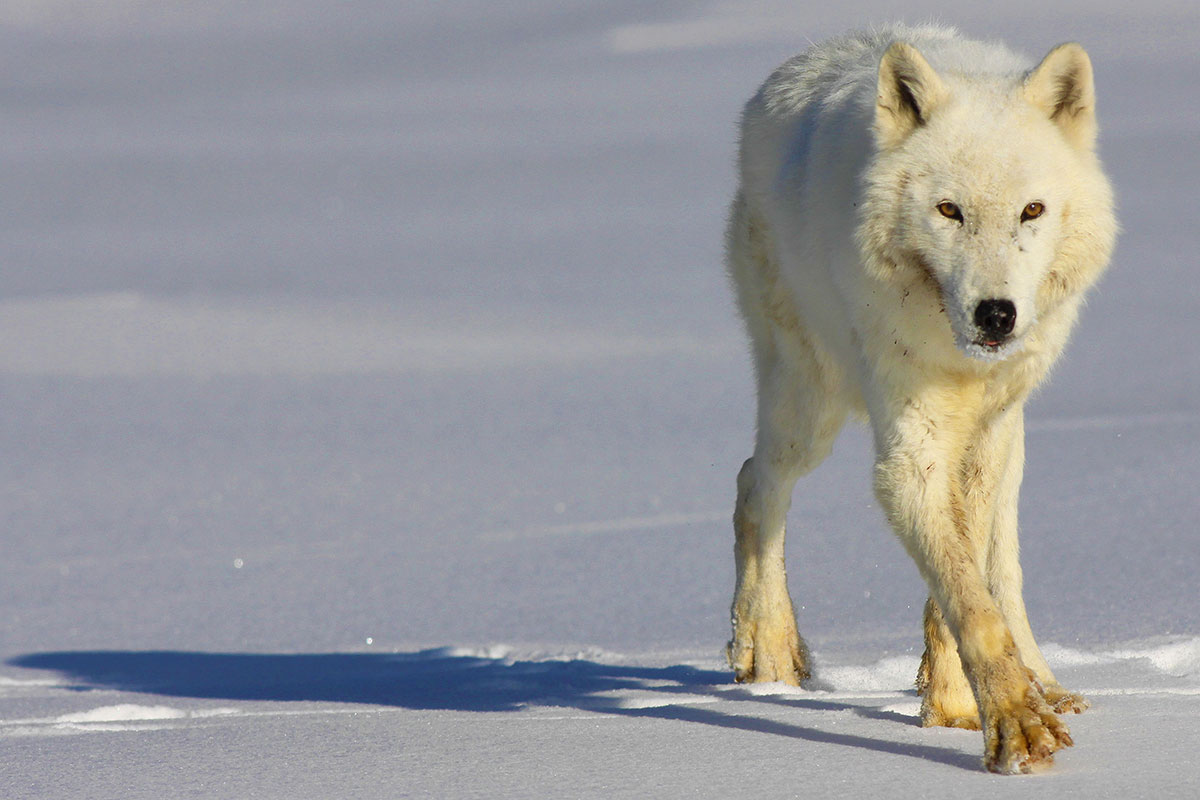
(429, 679)
(449, 680)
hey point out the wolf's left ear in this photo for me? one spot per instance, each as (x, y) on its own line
(1063, 88)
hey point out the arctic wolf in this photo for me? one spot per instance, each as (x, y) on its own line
(918, 217)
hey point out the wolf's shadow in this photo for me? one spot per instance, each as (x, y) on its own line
(449, 680)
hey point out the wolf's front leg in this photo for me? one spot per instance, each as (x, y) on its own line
(917, 482)
(946, 698)
(990, 458)
(766, 645)
(800, 412)
(1004, 567)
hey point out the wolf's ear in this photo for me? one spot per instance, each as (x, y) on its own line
(1062, 87)
(909, 90)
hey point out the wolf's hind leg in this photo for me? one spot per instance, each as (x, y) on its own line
(798, 418)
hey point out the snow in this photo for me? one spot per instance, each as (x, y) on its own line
(372, 398)
(124, 712)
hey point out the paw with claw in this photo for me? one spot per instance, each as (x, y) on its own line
(1021, 731)
(766, 646)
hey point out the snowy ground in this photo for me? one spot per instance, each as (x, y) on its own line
(372, 400)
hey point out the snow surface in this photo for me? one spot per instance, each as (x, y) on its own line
(372, 399)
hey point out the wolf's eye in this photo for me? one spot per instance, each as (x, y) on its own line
(949, 210)
(1032, 211)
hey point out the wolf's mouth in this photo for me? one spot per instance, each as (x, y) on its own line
(989, 349)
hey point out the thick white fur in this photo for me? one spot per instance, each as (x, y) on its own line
(860, 296)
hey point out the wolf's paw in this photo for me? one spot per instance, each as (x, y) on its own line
(761, 652)
(946, 698)
(932, 717)
(1063, 701)
(1023, 736)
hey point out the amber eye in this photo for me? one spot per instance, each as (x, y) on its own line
(949, 210)
(1032, 211)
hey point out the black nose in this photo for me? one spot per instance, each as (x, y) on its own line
(996, 319)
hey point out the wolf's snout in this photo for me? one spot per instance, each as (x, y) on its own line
(995, 320)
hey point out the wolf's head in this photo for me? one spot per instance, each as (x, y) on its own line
(991, 188)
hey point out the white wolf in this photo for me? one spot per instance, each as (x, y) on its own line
(917, 219)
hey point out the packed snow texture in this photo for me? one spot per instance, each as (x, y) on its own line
(372, 399)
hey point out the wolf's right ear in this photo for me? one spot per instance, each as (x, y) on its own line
(909, 90)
